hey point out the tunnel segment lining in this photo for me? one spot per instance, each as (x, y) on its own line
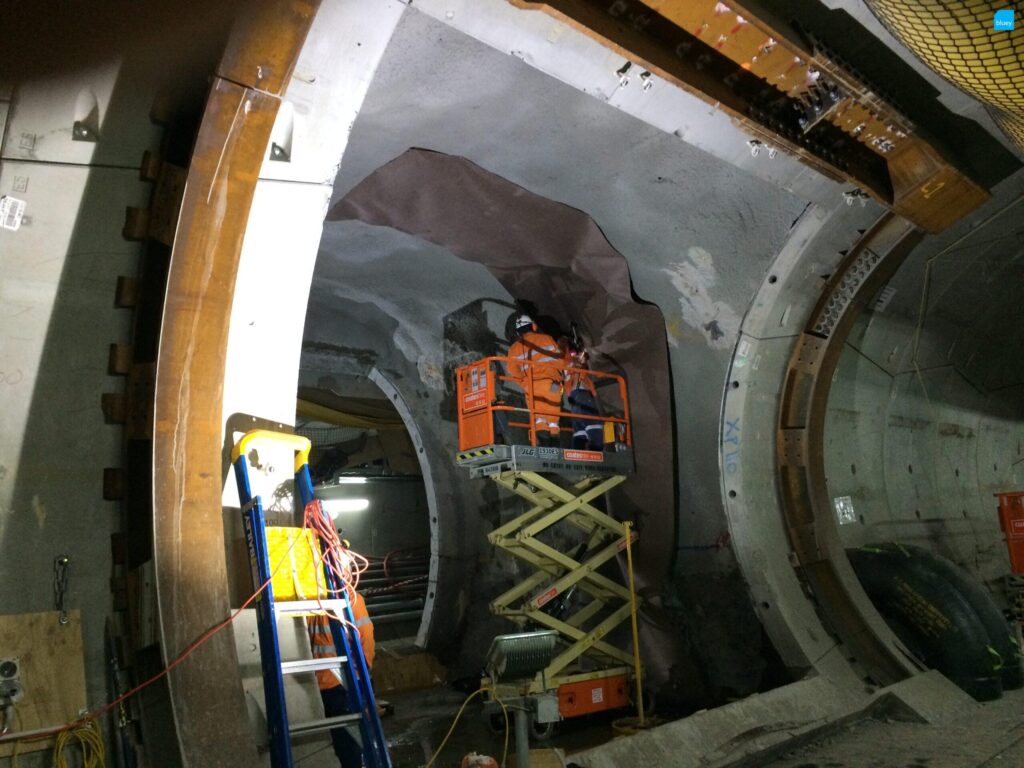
(799, 578)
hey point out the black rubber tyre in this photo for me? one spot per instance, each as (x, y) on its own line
(943, 627)
(1003, 641)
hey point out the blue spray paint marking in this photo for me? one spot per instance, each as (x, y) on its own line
(730, 446)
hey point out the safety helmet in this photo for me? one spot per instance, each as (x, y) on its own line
(523, 321)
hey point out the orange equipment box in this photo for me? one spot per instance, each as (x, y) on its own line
(589, 696)
(1011, 517)
(476, 393)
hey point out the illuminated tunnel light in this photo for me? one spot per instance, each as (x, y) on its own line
(335, 507)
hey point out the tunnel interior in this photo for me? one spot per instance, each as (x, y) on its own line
(691, 268)
(924, 416)
(409, 326)
(405, 185)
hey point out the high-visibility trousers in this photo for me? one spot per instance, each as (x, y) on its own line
(547, 403)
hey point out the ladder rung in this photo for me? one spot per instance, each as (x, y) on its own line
(310, 606)
(311, 665)
(315, 726)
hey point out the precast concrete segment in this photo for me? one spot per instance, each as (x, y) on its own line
(749, 486)
(921, 427)
(209, 709)
(427, 626)
(813, 532)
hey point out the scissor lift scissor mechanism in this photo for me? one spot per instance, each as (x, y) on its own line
(564, 538)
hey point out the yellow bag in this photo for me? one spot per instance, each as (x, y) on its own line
(293, 554)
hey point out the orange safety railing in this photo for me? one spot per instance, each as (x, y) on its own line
(484, 389)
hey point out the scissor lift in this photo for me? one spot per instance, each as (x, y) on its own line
(563, 536)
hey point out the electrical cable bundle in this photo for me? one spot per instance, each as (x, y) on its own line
(343, 565)
(89, 739)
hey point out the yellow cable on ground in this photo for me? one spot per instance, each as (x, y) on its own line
(89, 739)
(458, 715)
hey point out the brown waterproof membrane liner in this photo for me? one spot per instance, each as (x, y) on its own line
(558, 258)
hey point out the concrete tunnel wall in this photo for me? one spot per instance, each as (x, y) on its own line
(689, 251)
(925, 416)
(267, 328)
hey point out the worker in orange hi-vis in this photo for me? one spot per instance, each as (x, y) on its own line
(332, 692)
(537, 364)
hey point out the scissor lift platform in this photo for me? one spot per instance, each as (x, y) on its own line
(490, 460)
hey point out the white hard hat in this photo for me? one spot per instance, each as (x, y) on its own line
(523, 320)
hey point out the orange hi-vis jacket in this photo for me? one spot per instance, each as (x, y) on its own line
(322, 643)
(541, 379)
(579, 379)
(542, 353)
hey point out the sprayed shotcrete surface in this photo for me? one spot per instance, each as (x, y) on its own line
(697, 236)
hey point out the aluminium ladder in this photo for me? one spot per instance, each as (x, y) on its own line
(355, 674)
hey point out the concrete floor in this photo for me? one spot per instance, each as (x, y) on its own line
(993, 736)
(421, 719)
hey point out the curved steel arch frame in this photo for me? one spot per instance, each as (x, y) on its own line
(189, 562)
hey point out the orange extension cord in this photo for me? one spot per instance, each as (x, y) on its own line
(345, 564)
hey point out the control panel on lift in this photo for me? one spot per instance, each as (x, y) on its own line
(504, 426)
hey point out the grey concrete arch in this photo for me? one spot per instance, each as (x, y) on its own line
(392, 393)
(749, 482)
(781, 494)
(807, 633)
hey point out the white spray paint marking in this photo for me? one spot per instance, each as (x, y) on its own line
(717, 321)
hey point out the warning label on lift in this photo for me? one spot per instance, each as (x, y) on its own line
(583, 455)
(547, 597)
(473, 400)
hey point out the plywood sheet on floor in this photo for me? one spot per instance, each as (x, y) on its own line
(52, 671)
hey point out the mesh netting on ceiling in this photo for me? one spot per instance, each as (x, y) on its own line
(956, 38)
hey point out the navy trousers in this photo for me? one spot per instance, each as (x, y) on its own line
(346, 746)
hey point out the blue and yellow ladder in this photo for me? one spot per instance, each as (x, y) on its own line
(360, 699)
